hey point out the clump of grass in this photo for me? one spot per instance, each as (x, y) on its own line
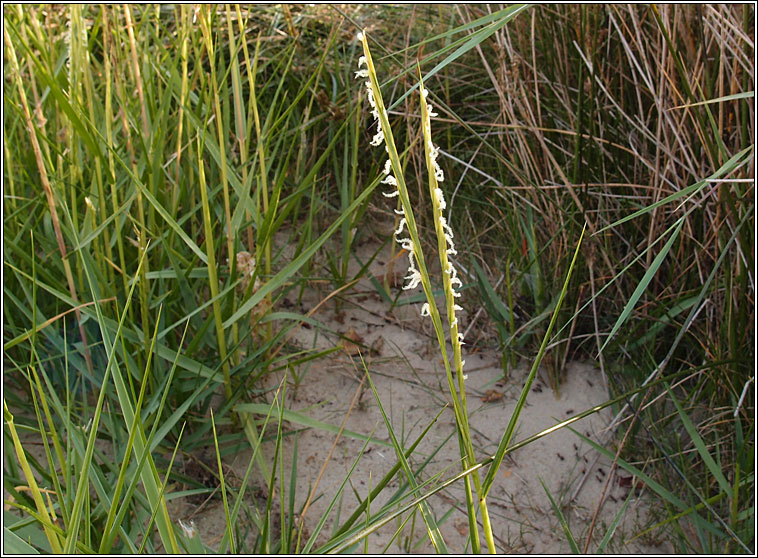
(418, 273)
(627, 118)
(147, 147)
(153, 178)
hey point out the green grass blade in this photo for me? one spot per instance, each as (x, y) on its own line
(229, 526)
(314, 535)
(473, 41)
(734, 163)
(296, 417)
(562, 519)
(614, 524)
(644, 282)
(705, 455)
(435, 536)
(656, 487)
(83, 484)
(744, 95)
(291, 268)
(13, 544)
(511, 427)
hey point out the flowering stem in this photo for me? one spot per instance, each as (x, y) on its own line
(446, 248)
(419, 275)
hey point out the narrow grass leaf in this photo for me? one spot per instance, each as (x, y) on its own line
(511, 427)
(734, 163)
(13, 544)
(611, 530)
(744, 95)
(304, 420)
(435, 536)
(562, 519)
(656, 487)
(474, 40)
(290, 269)
(697, 440)
(644, 282)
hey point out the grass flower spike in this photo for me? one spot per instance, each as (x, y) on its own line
(418, 275)
(451, 283)
(366, 70)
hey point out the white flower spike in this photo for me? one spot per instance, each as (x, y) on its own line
(414, 276)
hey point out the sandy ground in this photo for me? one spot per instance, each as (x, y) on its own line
(404, 362)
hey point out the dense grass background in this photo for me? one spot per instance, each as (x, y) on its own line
(145, 147)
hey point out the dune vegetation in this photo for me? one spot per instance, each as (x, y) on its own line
(181, 183)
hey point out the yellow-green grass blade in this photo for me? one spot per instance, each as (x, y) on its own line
(644, 282)
(229, 526)
(246, 479)
(562, 519)
(373, 494)
(435, 536)
(511, 427)
(611, 530)
(314, 535)
(484, 20)
(56, 442)
(745, 483)
(13, 544)
(744, 95)
(417, 502)
(156, 509)
(39, 502)
(213, 281)
(46, 523)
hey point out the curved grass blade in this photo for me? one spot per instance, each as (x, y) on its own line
(729, 166)
(83, 485)
(431, 525)
(309, 545)
(282, 276)
(644, 282)
(304, 420)
(700, 445)
(114, 516)
(386, 479)
(614, 524)
(229, 528)
(659, 489)
(473, 41)
(564, 524)
(505, 440)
